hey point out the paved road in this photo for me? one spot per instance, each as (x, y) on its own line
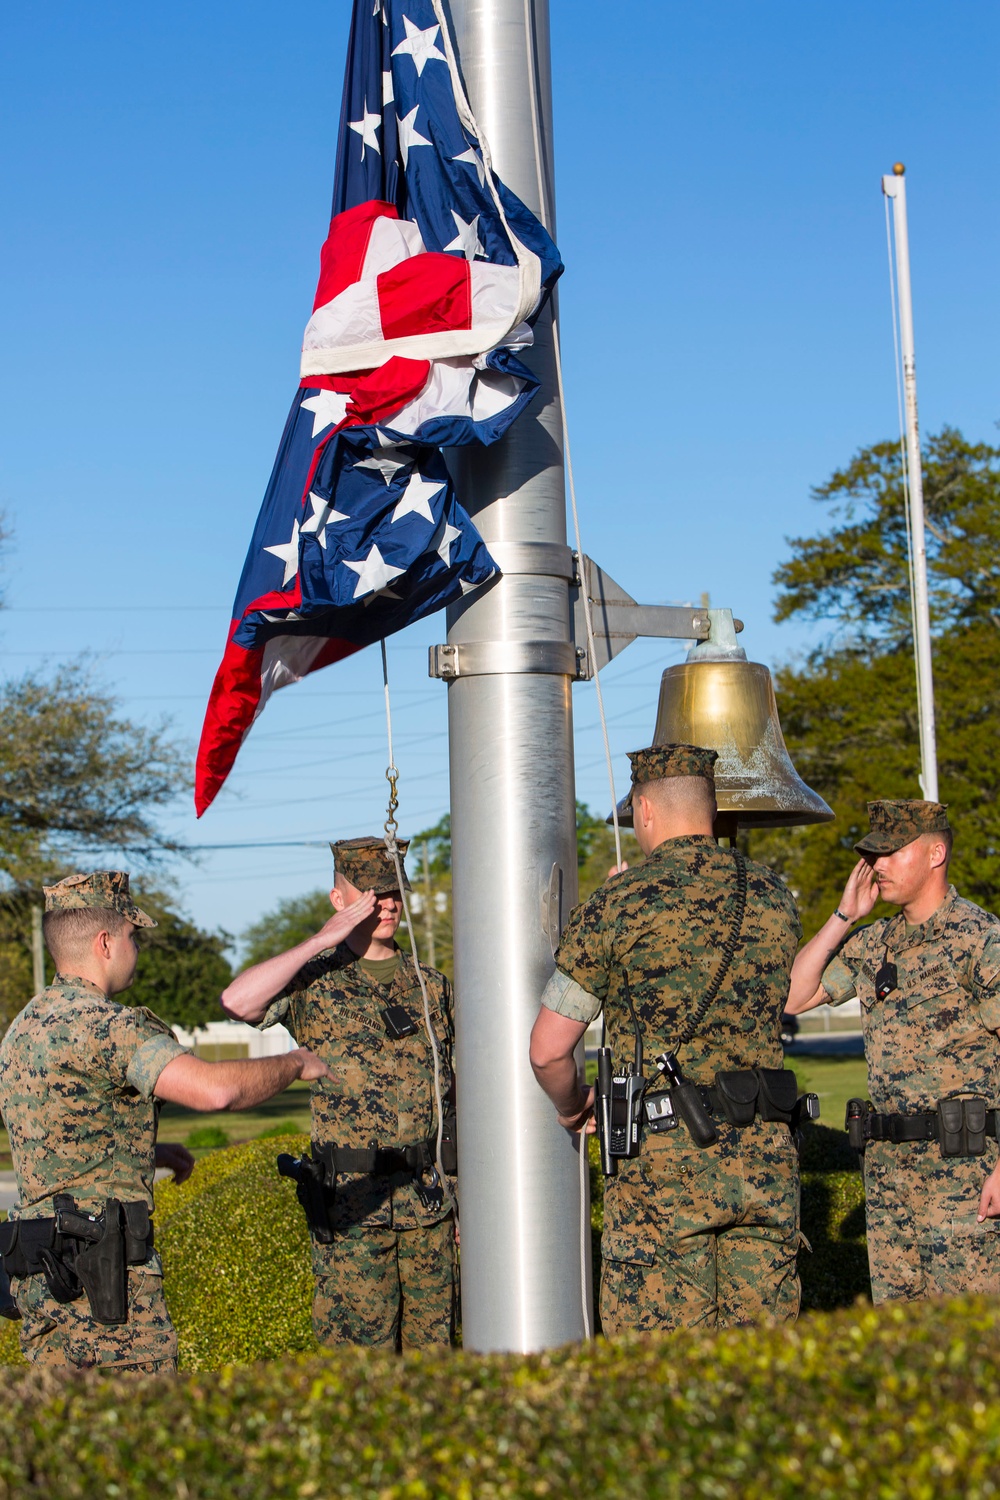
(826, 1044)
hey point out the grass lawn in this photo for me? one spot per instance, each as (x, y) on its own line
(288, 1108)
(835, 1080)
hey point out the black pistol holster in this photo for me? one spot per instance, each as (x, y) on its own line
(314, 1192)
(80, 1253)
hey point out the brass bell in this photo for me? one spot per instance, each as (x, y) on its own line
(729, 706)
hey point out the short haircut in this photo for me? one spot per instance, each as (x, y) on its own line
(67, 933)
(694, 795)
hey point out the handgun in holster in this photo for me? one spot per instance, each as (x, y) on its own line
(101, 1263)
(314, 1188)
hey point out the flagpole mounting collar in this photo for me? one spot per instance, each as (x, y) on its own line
(502, 658)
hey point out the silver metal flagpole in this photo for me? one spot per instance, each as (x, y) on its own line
(894, 187)
(510, 663)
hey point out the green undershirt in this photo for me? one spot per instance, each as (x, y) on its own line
(382, 970)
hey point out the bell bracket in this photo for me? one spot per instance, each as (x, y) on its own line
(618, 620)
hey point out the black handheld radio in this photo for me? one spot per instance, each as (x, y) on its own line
(618, 1100)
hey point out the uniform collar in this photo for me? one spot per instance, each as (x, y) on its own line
(926, 930)
(74, 981)
(684, 841)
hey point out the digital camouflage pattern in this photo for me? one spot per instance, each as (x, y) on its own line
(381, 1094)
(894, 824)
(386, 1288)
(368, 865)
(64, 1333)
(934, 1035)
(702, 1238)
(106, 890)
(694, 1236)
(77, 1073)
(661, 761)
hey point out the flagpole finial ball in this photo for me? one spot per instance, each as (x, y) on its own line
(898, 169)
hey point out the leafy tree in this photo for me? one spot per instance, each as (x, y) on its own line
(856, 574)
(182, 969)
(849, 712)
(291, 922)
(74, 776)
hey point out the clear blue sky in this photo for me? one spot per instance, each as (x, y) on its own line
(165, 185)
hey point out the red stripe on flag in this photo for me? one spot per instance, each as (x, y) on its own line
(343, 254)
(429, 293)
(388, 389)
(232, 704)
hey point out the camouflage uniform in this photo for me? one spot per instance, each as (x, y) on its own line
(691, 1237)
(388, 1279)
(934, 1035)
(77, 1073)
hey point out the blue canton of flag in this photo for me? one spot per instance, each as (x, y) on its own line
(430, 280)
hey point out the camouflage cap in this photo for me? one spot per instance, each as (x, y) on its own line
(104, 889)
(368, 865)
(896, 824)
(660, 761)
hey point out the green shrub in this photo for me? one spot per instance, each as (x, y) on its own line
(900, 1400)
(236, 1251)
(235, 1255)
(208, 1138)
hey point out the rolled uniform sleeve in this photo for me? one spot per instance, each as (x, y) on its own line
(567, 998)
(144, 1049)
(986, 982)
(840, 975)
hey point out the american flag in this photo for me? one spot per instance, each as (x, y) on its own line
(430, 279)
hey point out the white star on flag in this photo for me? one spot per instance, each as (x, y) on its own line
(384, 464)
(409, 135)
(421, 45)
(467, 239)
(373, 572)
(416, 497)
(472, 158)
(451, 535)
(288, 553)
(323, 516)
(366, 128)
(388, 96)
(328, 408)
(468, 588)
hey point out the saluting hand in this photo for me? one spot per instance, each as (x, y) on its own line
(860, 892)
(336, 928)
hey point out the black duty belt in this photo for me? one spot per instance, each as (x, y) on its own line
(917, 1127)
(379, 1161)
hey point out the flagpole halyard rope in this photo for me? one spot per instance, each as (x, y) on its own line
(391, 826)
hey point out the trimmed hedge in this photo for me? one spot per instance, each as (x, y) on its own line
(901, 1400)
(236, 1252)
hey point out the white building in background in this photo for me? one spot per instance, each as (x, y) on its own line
(222, 1039)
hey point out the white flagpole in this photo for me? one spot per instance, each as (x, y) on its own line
(894, 187)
